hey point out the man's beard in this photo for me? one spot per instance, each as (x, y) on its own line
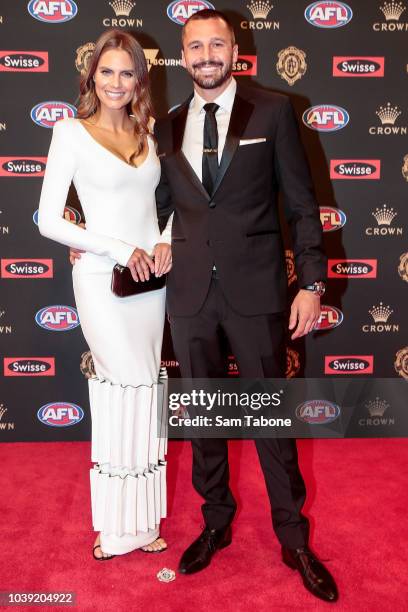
(210, 82)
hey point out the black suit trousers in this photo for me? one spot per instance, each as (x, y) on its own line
(258, 343)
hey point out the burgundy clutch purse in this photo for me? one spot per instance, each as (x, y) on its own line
(123, 284)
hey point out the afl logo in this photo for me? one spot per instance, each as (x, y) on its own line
(325, 118)
(70, 214)
(180, 10)
(332, 219)
(60, 414)
(57, 318)
(317, 412)
(52, 11)
(328, 14)
(47, 114)
(330, 317)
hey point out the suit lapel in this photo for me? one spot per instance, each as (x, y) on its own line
(179, 124)
(240, 114)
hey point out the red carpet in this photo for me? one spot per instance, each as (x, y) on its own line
(357, 504)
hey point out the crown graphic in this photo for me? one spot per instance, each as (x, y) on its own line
(377, 407)
(3, 410)
(388, 114)
(260, 9)
(384, 215)
(381, 313)
(2, 313)
(122, 7)
(392, 10)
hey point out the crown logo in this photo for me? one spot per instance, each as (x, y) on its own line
(3, 410)
(377, 407)
(122, 7)
(381, 313)
(2, 313)
(388, 114)
(392, 10)
(384, 215)
(260, 9)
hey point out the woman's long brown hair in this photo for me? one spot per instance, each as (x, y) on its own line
(141, 105)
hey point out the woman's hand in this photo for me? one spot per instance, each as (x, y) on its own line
(162, 258)
(140, 265)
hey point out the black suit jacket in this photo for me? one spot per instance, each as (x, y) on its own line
(237, 226)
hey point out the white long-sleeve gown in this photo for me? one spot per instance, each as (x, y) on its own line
(128, 480)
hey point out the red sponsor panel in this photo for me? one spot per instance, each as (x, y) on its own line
(22, 166)
(246, 65)
(349, 364)
(352, 268)
(27, 268)
(29, 366)
(358, 66)
(355, 169)
(24, 61)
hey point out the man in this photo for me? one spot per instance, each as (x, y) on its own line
(225, 154)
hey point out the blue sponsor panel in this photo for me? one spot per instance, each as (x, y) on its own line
(180, 10)
(325, 118)
(46, 114)
(328, 14)
(57, 318)
(60, 414)
(317, 412)
(52, 11)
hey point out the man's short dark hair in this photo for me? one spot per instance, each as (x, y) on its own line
(210, 14)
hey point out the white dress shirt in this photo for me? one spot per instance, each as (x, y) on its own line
(194, 131)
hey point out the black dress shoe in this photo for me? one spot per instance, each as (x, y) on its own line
(316, 578)
(199, 554)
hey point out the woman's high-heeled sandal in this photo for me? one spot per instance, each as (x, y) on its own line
(101, 558)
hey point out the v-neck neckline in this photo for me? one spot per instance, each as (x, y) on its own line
(121, 159)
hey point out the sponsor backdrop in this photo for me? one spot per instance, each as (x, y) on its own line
(345, 69)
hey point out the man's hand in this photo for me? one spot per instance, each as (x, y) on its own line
(140, 265)
(305, 312)
(162, 258)
(75, 254)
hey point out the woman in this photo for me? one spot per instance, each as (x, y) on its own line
(110, 156)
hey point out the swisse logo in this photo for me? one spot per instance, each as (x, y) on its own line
(330, 317)
(317, 412)
(355, 169)
(349, 364)
(46, 114)
(29, 366)
(23, 61)
(52, 11)
(57, 318)
(328, 14)
(355, 66)
(332, 219)
(22, 166)
(70, 214)
(27, 268)
(60, 414)
(352, 268)
(245, 65)
(180, 10)
(325, 118)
